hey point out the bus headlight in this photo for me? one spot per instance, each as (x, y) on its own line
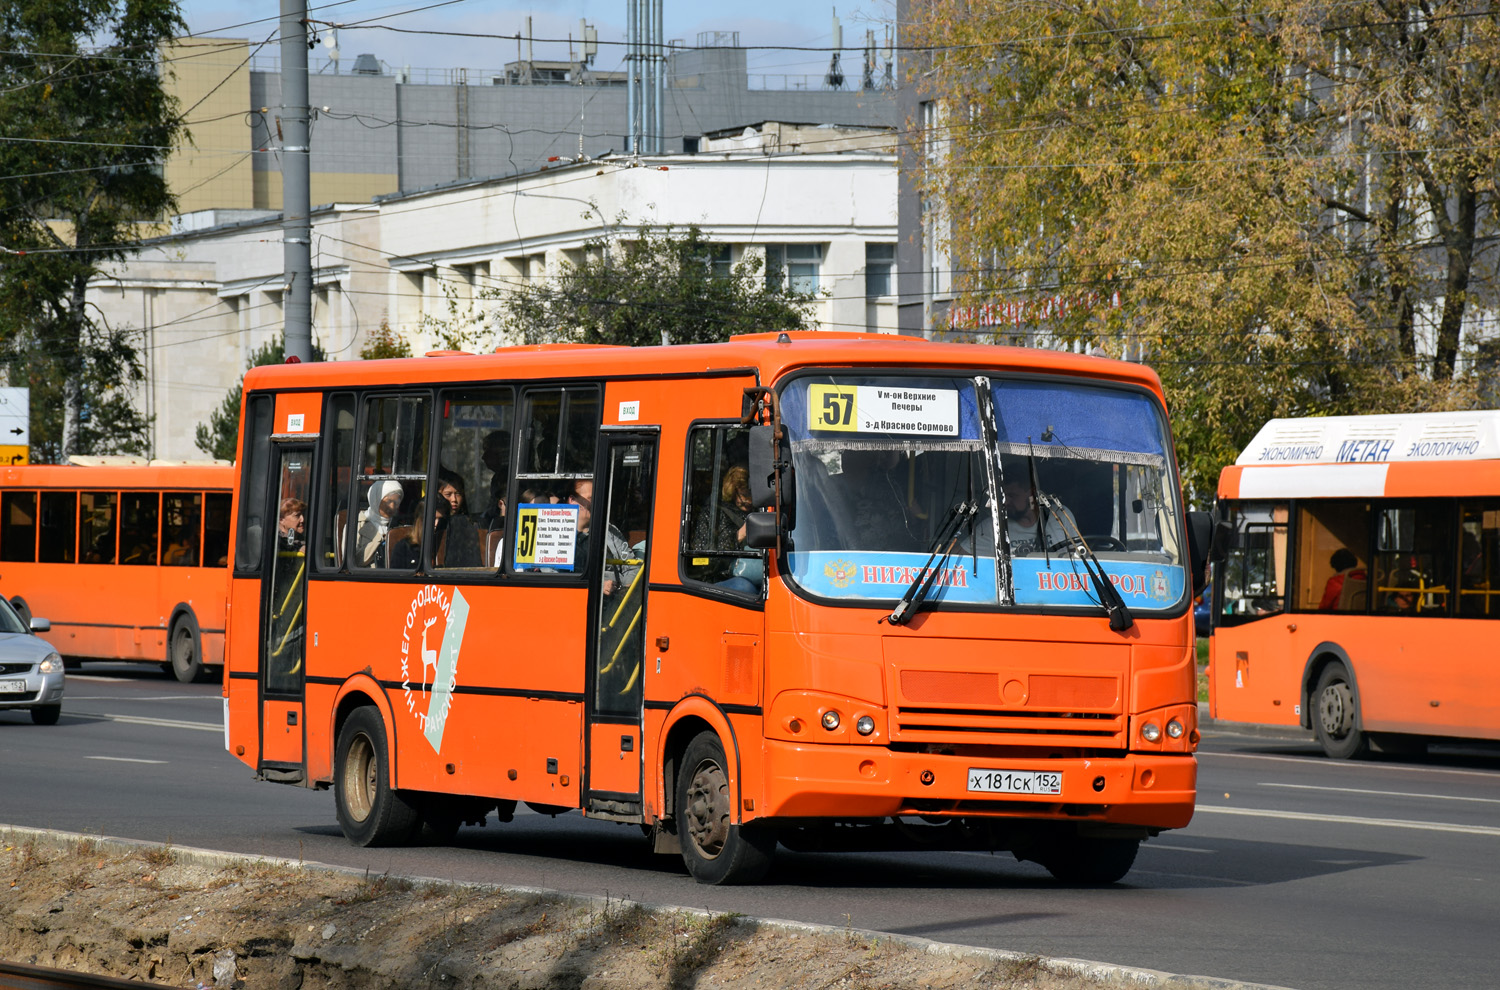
(1151, 732)
(865, 725)
(52, 664)
(1174, 729)
(831, 719)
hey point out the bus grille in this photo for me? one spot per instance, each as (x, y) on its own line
(1096, 730)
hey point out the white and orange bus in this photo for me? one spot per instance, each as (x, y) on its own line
(127, 559)
(834, 591)
(1360, 582)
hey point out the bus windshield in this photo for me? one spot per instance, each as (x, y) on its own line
(882, 462)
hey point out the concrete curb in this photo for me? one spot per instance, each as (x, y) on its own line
(1104, 972)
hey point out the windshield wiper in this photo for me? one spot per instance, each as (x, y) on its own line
(947, 532)
(1120, 618)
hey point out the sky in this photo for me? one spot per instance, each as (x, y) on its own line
(774, 22)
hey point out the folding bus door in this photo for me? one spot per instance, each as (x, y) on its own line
(621, 529)
(283, 651)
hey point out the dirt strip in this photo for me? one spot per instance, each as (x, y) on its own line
(197, 918)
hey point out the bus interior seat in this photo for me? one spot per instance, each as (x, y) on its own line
(1353, 595)
(491, 542)
(396, 535)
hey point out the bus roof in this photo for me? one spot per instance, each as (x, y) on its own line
(769, 354)
(145, 475)
(1402, 455)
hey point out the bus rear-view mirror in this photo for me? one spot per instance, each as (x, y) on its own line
(760, 530)
(763, 465)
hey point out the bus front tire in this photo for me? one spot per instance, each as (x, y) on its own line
(1086, 861)
(370, 811)
(182, 653)
(714, 848)
(1336, 715)
(46, 714)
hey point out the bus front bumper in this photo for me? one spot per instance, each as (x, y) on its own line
(863, 782)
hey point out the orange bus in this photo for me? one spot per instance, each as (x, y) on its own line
(127, 558)
(832, 591)
(1360, 580)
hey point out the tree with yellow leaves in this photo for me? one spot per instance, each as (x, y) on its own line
(1293, 203)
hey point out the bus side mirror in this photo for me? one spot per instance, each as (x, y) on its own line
(760, 530)
(763, 468)
(1200, 535)
(1223, 536)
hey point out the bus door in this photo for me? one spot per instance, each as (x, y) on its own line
(621, 525)
(283, 650)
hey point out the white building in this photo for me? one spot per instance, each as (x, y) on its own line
(209, 295)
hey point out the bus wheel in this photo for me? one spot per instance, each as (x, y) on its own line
(1337, 715)
(1090, 861)
(716, 850)
(370, 812)
(182, 653)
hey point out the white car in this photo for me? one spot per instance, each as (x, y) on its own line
(31, 671)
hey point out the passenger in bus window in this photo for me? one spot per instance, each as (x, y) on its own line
(495, 454)
(1404, 593)
(1021, 519)
(181, 549)
(384, 498)
(460, 546)
(290, 530)
(406, 551)
(726, 531)
(617, 574)
(1347, 580)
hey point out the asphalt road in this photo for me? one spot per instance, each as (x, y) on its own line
(1296, 870)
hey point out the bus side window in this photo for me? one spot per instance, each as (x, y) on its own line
(718, 497)
(59, 520)
(96, 527)
(253, 485)
(216, 517)
(18, 526)
(393, 476)
(140, 513)
(475, 427)
(559, 429)
(333, 502)
(1255, 566)
(1333, 556)
(182, 517)
(1414, 569)
(1479, 560)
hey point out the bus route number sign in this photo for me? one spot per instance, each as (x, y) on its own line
(882, 409)
(1014, 781)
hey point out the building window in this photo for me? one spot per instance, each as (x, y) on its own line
(798, 263)
(880, 260)
(721, 258)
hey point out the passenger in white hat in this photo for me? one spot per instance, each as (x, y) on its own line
(375, 523)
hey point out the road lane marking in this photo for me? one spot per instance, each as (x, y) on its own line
(1320, 761)
(1180, 849)
(1361, 790)
(122, 759)
(160, 722)
(162, 697)
(1302, 816)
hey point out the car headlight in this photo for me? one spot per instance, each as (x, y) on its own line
(52, 664)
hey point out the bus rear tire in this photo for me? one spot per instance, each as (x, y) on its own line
(1336, 715)
(1092, 862)
(182, 653)
(370, 811)
(715, 849)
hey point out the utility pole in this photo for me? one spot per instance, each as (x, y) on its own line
(296, 206)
